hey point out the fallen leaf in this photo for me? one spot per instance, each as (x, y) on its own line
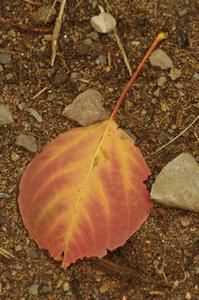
(84, 193)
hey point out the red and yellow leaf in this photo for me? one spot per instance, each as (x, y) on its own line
(84, 193)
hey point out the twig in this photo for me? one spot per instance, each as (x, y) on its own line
(161, 36)
(6, 254)
(50, 11)
(56, 31)
(125, 58)
(175, 138)
(125, 274)
(23, 27)
(39, 93)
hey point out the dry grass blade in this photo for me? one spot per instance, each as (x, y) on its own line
(50, 11)
(125, 58)
(56, 31)
(6, 254)
(175, 138)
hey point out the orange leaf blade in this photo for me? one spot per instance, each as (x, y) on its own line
(84, 193)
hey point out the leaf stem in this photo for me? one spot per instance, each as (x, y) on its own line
(161, 36)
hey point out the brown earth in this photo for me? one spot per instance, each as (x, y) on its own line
(166, 248)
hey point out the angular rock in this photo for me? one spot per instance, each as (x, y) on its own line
(177, 185)
(159, 58)
(5, 115)
(87, 108)
(27, 141)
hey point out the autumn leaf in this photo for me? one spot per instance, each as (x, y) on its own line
(84, 193)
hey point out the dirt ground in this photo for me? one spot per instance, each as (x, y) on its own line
(166, 248)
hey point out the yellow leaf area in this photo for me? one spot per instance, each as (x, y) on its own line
(84, 193)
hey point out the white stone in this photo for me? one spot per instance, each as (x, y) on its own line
(159, 58)
(103, 23)
(177, 185)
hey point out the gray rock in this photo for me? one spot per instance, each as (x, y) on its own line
(5, 115)
(27, 141)
(1, 68)
(5, 58)
(35, 114)
(177, 185)
(33, 289)
(196, 76)
(87, 108)
(101, 60)
(159, 58)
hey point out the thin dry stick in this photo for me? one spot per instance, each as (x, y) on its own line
(6, 254)
(175, 138)
(56, 31)
(50, 11)
(161, 36)
(125, 58)
(39, 93)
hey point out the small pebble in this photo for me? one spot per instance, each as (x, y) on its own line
(5, 196)
(175, 73)
(196, 76)
(66, 286)
(33, 289)
(182, 13)
(18, 248)
(27, 141)
(35, 114)
(188, 296)
(5, 58)
(88, 42)
(94, 35)
(5, 115)
(143, 112)
(60, 77)
(156, 92)
(101, 60)
(50, 97)
(185, 221)
(159, 58)
(161, 81)
(9, 76)
(1, 68)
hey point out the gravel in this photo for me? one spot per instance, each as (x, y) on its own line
(28, 142)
